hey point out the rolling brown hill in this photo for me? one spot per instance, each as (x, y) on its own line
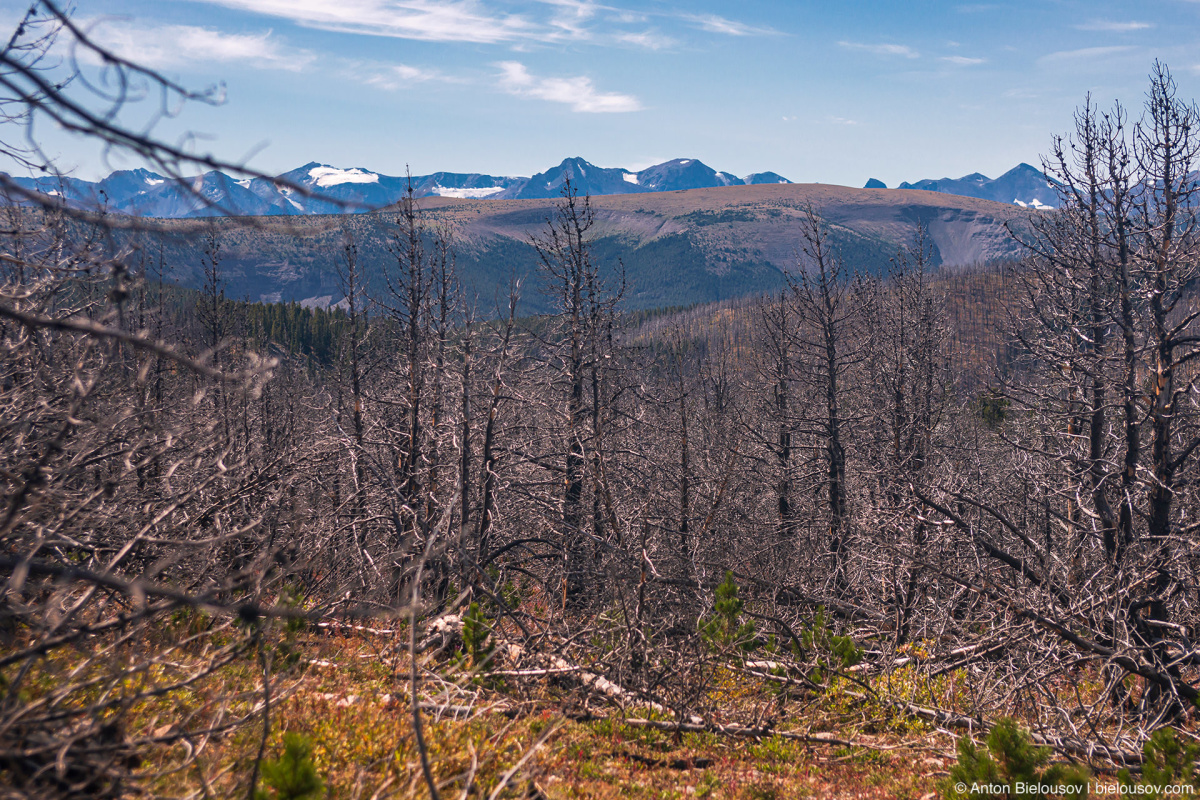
(677, 248)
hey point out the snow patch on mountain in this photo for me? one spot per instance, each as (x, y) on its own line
(630, 178)
(446, 191)
(331, 176)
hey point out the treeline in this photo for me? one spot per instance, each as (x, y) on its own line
(314, 333)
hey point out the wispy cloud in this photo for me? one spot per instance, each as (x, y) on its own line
(649, 40)
(843, 121)
(716, 24)
(628, 17)
(571, 18)
(539, 23)
(178, 46)
(584, 9)
(902, 50)
(577, 92)
(426, 20)
(394, 77)
(1109, 26)
(1084, 54)
(962, 61)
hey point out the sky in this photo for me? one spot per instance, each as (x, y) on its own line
(828, 91)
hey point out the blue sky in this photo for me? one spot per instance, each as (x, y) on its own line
(832, 92)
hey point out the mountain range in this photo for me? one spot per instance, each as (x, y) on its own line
(674, 248)
(1022, 185)
(332, 190)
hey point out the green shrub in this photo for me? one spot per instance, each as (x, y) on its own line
(1168, 762)
(992, 407)
(288, 650)
(1011, 766)
(293, 776)
(831, 652)
(725, 629)
(476, 635)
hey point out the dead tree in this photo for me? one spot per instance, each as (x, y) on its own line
(829, 306)
(1097, 528)
(778, 367)
(909, 376)
(141, 549)
(582, 343)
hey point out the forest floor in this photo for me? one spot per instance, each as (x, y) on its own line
(340, 709)
(349, 697)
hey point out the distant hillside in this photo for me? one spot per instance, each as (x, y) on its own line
(980, 302)
(677, 248)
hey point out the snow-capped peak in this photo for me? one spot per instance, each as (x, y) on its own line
(331, 176)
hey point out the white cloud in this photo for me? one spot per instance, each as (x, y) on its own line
(576, 92)
(583, 9)
(882, 49)
(716, 24)
(1108, 26)
(628, 17)
(177, 46)
(476, 21)
(1083, 54)
(962, 61)
(426, 20)
(843, 121)
(571, 18)
(649, 40)
(395, 76)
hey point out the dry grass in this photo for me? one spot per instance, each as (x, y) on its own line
(348, 693)
(349, 696)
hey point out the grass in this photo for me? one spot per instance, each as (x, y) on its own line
(348, 695)
(352, 704)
